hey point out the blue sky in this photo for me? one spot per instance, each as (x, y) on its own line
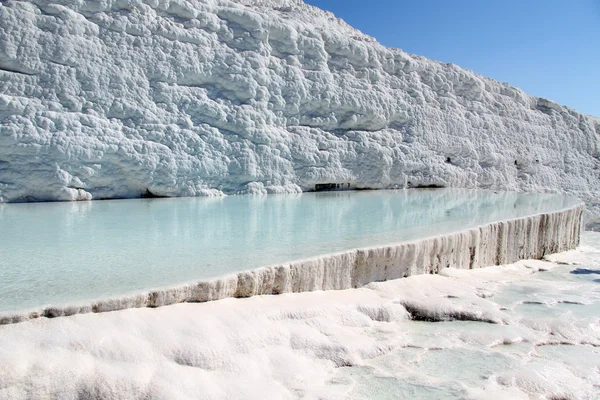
(549, 48)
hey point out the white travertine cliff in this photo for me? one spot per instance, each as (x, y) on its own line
(125, 98)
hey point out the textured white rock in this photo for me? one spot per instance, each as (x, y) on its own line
(491, 244)
(104, 99)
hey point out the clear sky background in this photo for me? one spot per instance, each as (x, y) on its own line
(548, 48)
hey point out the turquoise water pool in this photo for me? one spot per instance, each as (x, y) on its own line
(64, 253)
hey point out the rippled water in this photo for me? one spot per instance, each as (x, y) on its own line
(56, 253)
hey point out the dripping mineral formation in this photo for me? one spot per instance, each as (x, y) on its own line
(110, 99)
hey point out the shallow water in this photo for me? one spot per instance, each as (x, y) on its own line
(545, 349)
(58, 253)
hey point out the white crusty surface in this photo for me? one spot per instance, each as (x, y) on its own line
(123, 98)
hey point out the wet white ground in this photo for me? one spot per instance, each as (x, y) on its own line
(530, 330)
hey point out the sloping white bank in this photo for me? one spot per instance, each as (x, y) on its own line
(491, 244)
(522, 331)
(105, 99)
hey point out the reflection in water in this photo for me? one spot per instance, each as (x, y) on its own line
(66, 252)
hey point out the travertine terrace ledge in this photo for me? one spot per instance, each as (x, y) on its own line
(503, 242)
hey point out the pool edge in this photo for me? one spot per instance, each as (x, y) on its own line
(495, 243)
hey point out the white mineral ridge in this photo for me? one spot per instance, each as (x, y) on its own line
(122, 98)
(523, 331)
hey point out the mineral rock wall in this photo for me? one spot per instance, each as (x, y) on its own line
(492, 244)
(126, 98)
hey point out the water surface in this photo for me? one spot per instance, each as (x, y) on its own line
(64, 253)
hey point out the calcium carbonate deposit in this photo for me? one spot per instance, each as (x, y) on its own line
(130, 98)
(525, 331)
(108, 99)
